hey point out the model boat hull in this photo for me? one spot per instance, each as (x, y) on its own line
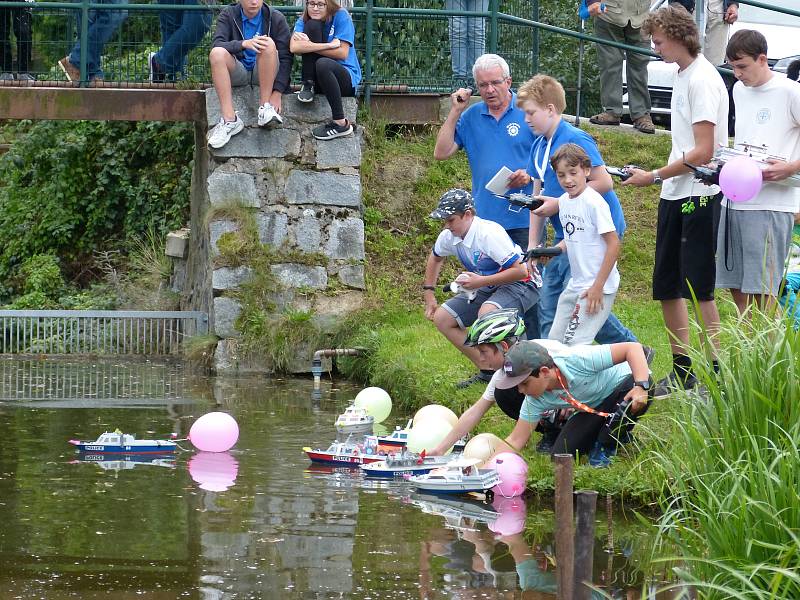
(345, 460)
(386, 469)
(149, 447)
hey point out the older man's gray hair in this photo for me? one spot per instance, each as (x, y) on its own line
(489, 61)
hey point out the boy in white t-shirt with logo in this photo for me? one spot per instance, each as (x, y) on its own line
(688, 211)
(754, 236)
(592, 246)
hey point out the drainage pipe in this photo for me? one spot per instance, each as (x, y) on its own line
(316, 363)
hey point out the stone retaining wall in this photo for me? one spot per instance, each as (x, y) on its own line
(304, 196)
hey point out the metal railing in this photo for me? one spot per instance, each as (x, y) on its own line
(97, 332)
(403, 46)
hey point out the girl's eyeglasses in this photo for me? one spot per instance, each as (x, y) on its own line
(316, 4)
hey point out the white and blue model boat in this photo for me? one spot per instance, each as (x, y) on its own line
(116, 442)
(407, 463)
(399, 439)
(457, 477)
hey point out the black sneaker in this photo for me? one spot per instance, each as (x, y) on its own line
(649, 353)
(331, 131)
(672, 383)
(306, 93)
(479, 377)
(545, 445)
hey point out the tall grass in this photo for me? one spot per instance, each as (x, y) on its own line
(734, 467)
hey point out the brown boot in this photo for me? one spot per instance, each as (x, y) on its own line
(644, 124)
(71, 71)
(605, 118)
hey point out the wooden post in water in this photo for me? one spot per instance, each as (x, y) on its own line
(584, 543)
(565, 527)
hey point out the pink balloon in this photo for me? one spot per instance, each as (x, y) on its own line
(214, 471)
(740, 179)
(513, 472)
(513, 513)
(214, 432)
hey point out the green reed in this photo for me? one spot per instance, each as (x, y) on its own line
(733, 460)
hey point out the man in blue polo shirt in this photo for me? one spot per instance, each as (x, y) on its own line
(543, 101)
(494, 273)
(494, 135)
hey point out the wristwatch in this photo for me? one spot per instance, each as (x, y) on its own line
(656, 176)
(429, 287)
(645, 384)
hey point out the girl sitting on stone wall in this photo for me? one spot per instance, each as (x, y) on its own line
(324, 36)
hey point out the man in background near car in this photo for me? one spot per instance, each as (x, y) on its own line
(688, 212)
(621, 21)
(754, 236)
(720, 15)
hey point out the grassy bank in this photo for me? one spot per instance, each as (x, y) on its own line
(410, 359)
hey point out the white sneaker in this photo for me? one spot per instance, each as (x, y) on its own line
(222, 132)
(267, 114)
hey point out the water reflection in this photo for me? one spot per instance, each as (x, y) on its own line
(124, 463)
(213, 471)
(258, 522)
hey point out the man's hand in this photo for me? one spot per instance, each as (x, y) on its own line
(300, 36)
(257, 43)
(732, 14)
(549, 208)
(470, 281)
(595, 9)
(430, 305)
(275, 99)
(459, 100)
(638, 399)
(638, 178)
(518, 179)
(778, 170)
(594, 296)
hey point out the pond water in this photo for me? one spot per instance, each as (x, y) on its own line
(258, 521)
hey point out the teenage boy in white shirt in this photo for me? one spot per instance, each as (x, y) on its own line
(592, 246)
(754, 236)
(688, 212)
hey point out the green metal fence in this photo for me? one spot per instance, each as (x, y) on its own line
(400, 43)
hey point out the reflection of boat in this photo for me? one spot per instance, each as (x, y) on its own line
(399, 438)
(354, 420)
(347, 453)
(117, 442)
(126, 462)
(457, 477)
(454, 510)
(407, 463)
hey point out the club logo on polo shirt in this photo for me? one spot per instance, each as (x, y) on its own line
(512, 129)
(763, 115)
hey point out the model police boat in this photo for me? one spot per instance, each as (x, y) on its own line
(116, 442)
(347, 453)
(399, 439)
(407, 463)
(459, 476)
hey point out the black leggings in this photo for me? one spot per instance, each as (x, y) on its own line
(329, 76)
(582, 430)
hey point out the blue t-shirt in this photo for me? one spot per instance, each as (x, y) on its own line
(251, 28)
(790, 301)
(491, 144)
(590, 375)
(569, 134)
(341, 27)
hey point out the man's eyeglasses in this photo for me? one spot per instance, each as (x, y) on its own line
(495, 84)
(316, 4)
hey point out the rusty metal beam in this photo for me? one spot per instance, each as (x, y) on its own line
(154, 104)
(102, 104)
(412, 109)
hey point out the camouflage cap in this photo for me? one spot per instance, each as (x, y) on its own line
(524, 358)
(453, 202)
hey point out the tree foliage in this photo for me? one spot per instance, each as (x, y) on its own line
(71, 188)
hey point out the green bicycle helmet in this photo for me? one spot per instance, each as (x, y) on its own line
(497, 326)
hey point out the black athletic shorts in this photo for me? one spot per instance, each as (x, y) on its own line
(686, 242)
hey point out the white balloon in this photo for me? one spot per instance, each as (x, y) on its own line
(375, 401)
(434, 411)
(427, 435)
(485, 445)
